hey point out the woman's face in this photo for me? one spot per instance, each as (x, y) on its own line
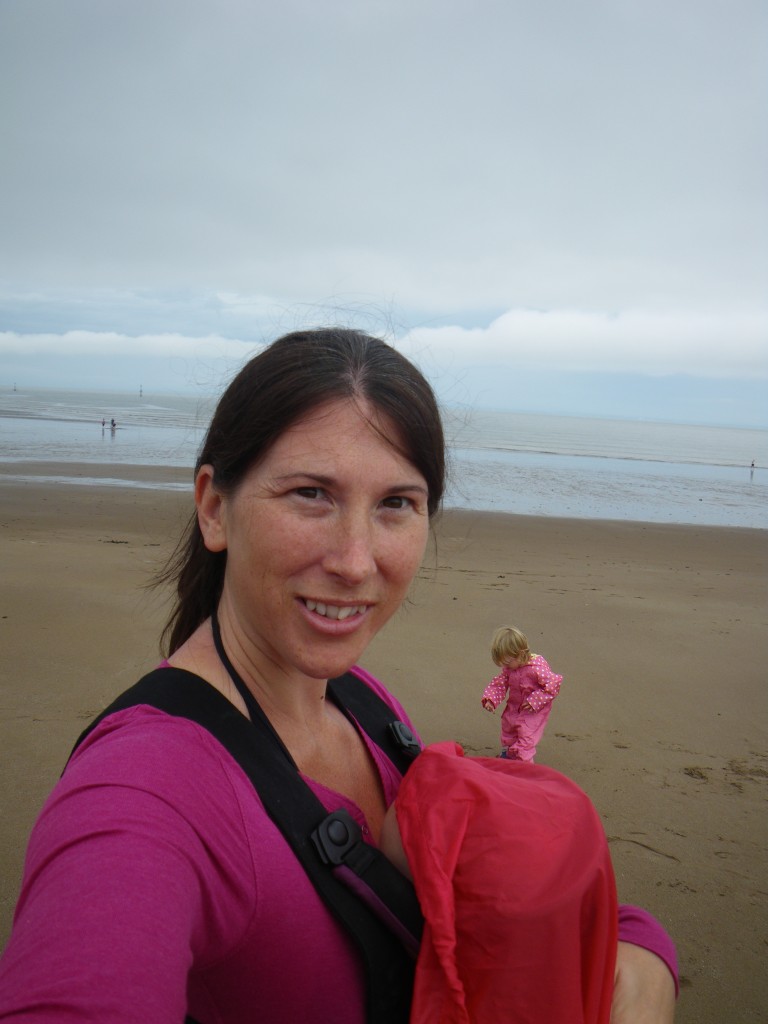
(323, 538)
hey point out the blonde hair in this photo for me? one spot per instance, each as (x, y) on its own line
(508, 643)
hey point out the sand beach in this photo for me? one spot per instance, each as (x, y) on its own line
(659, 631)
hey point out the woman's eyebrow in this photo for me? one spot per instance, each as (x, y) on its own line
(326, 481)
(304, 474)
(420, 488)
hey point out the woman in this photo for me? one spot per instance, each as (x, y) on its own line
(156, 885)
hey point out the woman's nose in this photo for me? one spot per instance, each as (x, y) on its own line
(351, 551)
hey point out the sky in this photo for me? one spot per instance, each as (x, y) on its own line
(550, 206)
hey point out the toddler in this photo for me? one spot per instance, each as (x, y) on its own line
(531, 686)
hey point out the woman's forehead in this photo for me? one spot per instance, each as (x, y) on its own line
(348, 435)
(336, 408)
(348, 417)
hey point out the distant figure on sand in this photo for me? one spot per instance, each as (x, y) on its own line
(530, 686)
(112, 425)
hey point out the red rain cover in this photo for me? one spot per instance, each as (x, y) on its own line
(512, 869)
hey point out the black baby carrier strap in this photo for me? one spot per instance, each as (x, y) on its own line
(375, 904)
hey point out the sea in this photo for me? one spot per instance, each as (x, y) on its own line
(499, 461)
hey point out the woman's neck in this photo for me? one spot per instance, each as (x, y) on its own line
(294, 697)
(323, 743)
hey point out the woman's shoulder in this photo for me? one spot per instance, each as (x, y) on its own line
(143, 736)
(149, 804)
(146, 774)
(145, 750)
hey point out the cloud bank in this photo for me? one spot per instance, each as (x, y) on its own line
(655, 344)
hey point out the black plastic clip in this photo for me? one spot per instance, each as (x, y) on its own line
(405, 739)
(335, 836)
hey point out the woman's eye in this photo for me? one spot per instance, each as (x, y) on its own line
(309, 492)
(397, 501)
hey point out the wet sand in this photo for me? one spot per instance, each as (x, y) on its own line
(659, 631)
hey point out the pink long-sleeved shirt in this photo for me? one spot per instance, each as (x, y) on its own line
(155, 885)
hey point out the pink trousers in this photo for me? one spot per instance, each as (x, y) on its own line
(521, 734)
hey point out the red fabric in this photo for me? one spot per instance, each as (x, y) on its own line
(512, 869)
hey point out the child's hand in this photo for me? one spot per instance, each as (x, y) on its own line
(525, 706)
(488, 705)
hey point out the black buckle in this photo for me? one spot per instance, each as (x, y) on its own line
(335, 836)
(405, 739)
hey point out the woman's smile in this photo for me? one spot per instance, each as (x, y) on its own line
(334, 611)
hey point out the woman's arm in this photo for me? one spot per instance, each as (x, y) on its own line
(126, 880)
(104, 923)
(644, 991)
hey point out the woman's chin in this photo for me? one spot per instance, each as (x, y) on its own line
(327, 661)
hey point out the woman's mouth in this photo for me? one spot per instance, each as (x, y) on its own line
(335, 611)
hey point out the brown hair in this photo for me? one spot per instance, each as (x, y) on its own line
(287, 380)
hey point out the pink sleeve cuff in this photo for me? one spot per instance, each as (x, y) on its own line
(642, 929)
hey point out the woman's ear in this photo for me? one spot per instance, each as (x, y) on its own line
(210, 510)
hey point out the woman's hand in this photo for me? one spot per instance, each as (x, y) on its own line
(644, 992)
